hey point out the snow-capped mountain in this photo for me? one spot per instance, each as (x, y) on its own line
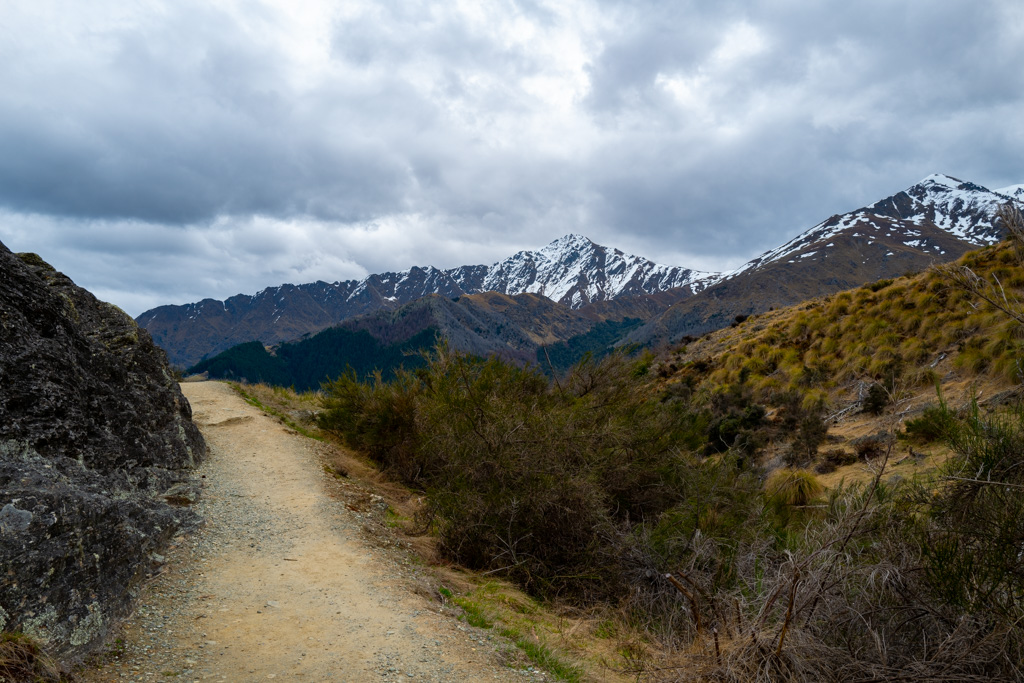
(1013, 191)
(575, 271)
(572, 270)
(933, 221)
(958, 209)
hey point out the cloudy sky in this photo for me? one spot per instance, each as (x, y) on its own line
(163, 152)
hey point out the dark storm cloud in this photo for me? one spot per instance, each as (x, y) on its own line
(820, 108)
(187, 120)
(345, 138)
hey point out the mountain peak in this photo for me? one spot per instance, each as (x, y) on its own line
(572, 241)
(933, 220)
(1014, 191)
(961, 209)
(942, 179)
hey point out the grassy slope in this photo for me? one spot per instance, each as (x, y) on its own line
(908, 334)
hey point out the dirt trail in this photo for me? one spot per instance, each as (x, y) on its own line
(281, 583)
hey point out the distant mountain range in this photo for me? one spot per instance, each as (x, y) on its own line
(571, 271)
(581, 283)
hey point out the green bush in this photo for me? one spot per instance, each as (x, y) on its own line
(378, 418)
(936, 422)
(974, 546)
(809, 436)
(876, 400)
(529, 478)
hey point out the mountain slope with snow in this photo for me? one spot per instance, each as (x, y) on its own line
(572, 271)
(959, 209)
(933, 221)
(1013, 191)
(575, 271)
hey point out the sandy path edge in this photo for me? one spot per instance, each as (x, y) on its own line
(281, 583)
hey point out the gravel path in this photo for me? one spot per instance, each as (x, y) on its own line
(284, 582)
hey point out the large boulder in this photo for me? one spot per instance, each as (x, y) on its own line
(94, 435)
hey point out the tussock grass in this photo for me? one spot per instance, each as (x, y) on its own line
(791, 487)
(23, 659)
(887, 332)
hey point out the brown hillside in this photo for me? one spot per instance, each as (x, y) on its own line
(832, 263)
(907, 335)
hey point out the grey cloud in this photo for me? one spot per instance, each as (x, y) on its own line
(419, 30)
(844, 104)
(183, 128)
(429, 136)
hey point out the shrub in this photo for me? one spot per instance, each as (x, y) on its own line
(974, 547)
(378, 418)
(876, 400)
(936, 422)
(810, 434)
(737, 428)
(833, 459)
(879, 285)
(870, 447)
(524, 477)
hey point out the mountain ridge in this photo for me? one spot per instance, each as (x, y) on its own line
(937, 219)
(572, 271)
(934, 221)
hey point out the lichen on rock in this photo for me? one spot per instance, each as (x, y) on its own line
(93, 433)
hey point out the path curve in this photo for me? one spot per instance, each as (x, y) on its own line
(281, 583)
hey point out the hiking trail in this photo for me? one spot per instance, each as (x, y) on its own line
(284, 582)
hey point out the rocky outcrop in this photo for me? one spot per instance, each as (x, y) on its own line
(96, 442)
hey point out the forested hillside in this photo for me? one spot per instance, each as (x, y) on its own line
(305, 364)
(598, 342)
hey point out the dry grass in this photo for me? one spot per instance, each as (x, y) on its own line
(790, 487)
(873, 333)
(911, 335)
(23, 660)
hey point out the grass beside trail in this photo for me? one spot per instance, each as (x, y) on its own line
(565, 648)
(281, 403)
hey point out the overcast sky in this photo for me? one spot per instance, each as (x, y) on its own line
(164, 152)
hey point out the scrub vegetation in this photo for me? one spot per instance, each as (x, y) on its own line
(678, 493)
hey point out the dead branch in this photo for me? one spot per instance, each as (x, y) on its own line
(689, 596)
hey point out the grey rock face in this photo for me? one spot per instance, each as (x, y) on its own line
(93, 432)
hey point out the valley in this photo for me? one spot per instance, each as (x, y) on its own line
(796, 438)
(800, 452)
(535, 298)
(519, 342)
(584, 493)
